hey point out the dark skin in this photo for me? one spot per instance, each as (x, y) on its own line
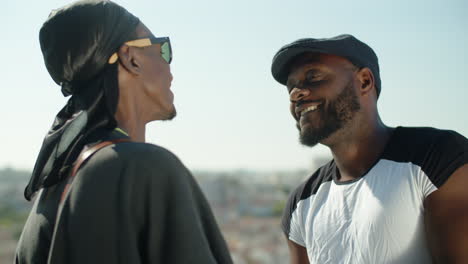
(144, 87)
(350, 145)
(315, 80)
(446, 219)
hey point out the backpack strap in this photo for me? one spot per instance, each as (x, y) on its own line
(84, 156)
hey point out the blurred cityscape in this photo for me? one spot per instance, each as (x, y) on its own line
(247, 205)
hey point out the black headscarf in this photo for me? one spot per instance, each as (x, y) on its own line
(76, 42)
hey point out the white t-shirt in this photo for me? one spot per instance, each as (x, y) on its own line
(378, 218)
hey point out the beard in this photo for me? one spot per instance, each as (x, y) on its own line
(334, 117)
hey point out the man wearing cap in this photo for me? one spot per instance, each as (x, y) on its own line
(389, 195)
(103, 195)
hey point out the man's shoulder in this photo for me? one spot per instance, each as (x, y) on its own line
(311, 185)
(414, 143)
(142, 150)
(135, 164)
(136, 154)
(305, 191)
(124, 149)
(438, 152)
(425, 134)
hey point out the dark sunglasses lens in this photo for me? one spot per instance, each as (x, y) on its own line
(166, 52)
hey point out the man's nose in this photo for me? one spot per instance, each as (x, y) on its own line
(298, 94)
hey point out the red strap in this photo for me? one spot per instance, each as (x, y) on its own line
(85, 155)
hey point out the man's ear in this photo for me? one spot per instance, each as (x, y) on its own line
(128, 60)
(367, 81)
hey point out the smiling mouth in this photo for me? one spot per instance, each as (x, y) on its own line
(308, 109)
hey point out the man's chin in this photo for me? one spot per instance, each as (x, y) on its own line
(309, 141)
(166, 115)
(172, 114)
(310, 137)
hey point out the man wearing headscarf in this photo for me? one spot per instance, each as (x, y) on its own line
(102, 195)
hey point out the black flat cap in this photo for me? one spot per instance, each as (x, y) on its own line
(347, 46)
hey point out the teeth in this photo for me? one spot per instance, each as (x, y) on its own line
(308, 109)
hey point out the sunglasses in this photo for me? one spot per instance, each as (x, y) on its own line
(166, 50)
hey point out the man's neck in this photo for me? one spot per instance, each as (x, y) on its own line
(130, 122)
(356, 153)
(135, 131)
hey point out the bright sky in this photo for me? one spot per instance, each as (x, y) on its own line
(231, 113)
